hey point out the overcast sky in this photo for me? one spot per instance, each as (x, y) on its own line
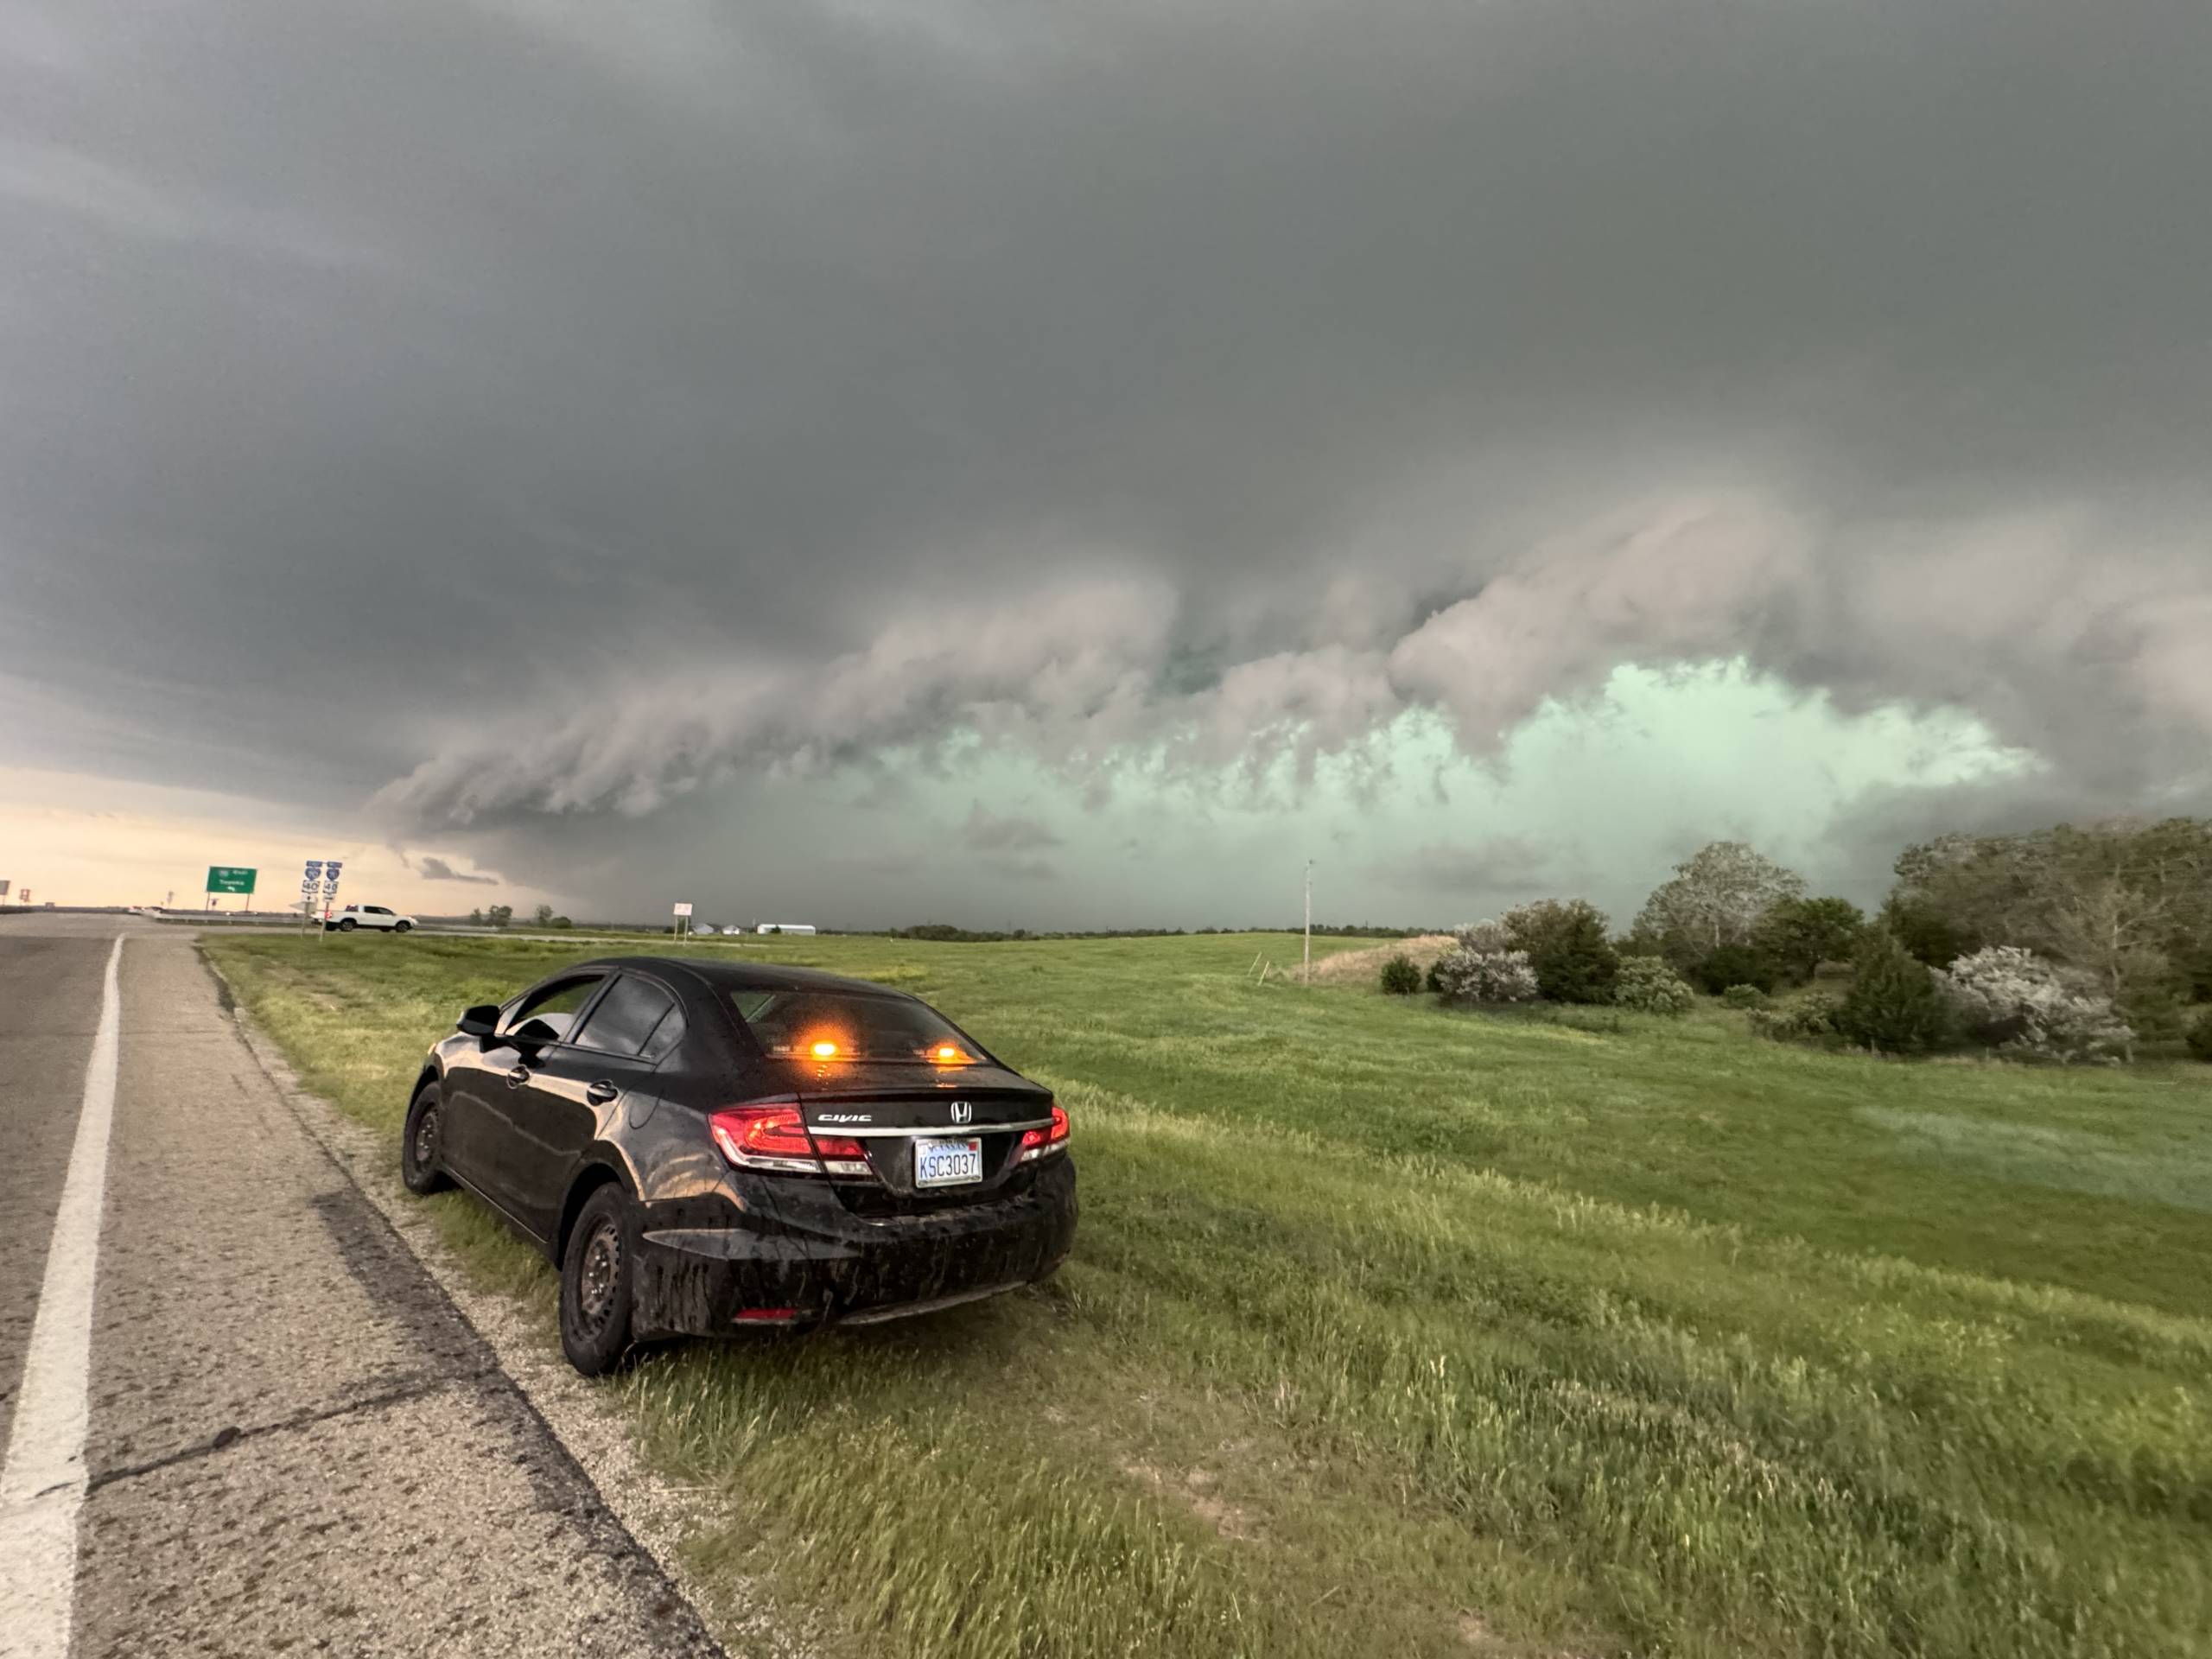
(878, 460)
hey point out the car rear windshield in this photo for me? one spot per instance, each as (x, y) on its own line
(848, 1025)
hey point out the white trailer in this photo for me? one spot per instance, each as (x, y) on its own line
(784, 927)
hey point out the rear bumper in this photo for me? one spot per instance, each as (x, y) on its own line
(807, 1252)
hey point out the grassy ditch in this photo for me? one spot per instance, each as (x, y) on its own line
(1396, 1331)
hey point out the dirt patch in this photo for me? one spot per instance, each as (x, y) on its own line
(1193, 1489)
(1478, 1635)
(1364, 968)
(1475, 1631)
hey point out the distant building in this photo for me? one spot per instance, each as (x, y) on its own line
(784, 927)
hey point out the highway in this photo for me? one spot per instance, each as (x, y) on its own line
(240, 1416)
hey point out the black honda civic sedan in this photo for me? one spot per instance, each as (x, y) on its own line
(711, 1148)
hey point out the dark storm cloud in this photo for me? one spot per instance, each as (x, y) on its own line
(1023, 869)
(550, 408)
(1010, 844)
(436, 869)
(988, 832)
(1501, 865)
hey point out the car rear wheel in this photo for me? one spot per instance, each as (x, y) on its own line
(595, 1284)
(346, 926)
(421, 1144)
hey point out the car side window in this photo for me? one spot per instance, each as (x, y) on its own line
(554, 1008)
(666, 1035)
(626, 1018)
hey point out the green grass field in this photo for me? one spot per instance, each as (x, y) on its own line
(1395, 1330)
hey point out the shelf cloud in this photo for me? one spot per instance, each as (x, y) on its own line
(514, 420)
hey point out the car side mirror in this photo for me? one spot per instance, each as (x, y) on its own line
(479, 1021)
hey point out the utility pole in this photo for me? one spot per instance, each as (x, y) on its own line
(1309, 922)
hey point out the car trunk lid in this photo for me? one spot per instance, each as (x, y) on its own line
(888, 1108)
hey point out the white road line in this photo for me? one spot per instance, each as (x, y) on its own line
(42, 1485)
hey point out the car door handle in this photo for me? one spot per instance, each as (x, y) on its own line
(601, 1092)
(518, 1077)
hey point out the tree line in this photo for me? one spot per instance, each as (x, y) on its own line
(2075, 941)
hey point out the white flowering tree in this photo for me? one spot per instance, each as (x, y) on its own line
(2011, 998)
(1717, 897)
(1487, 938)
(1470, 976)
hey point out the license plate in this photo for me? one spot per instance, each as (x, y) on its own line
(939, 1162)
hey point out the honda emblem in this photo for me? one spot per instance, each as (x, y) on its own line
(962, 1112)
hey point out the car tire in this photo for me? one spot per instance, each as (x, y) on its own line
(347, 926)
(421, 1144)
(596, 1283)
(401, 927)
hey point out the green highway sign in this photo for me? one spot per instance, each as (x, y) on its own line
(229, 878)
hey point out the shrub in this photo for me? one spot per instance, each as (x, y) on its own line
(1400, 977)
(1926, 932)
(1648, 985)
(1465, 976)
(1807, 1019)
(2155, 1013)
(1894, 1006)
(1734, 964)
(1431, 981)
(1567, 946)
(2011, 998)
(1743, 996)
(1798, 935)
(2193, 972)
(2200, 1037)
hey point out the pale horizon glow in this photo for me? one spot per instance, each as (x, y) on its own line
(78, 840)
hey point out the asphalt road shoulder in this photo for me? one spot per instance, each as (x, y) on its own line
(656, 1514)
(304, 1432)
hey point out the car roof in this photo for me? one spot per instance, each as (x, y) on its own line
(745, 976)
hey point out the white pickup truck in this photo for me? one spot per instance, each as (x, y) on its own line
(353, 916)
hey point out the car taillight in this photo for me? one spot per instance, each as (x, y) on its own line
(1042, 1143)
(844, 1157)
(773, 1136)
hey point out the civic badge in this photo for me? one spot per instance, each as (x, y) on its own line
(962, 1112)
